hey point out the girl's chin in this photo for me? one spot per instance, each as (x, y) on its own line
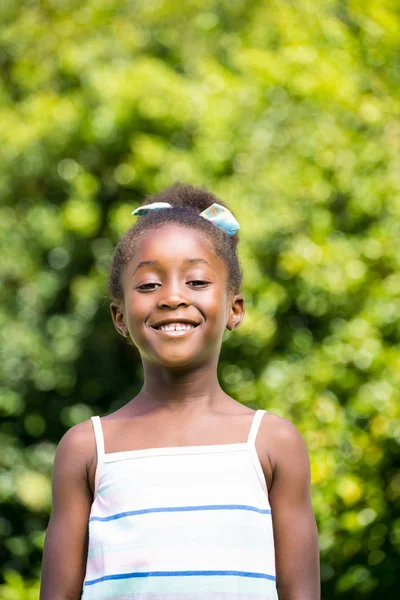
(175, 360)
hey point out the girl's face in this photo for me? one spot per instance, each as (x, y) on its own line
(176, 300)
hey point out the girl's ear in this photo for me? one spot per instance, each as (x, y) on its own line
(118, 318)
(236, 312)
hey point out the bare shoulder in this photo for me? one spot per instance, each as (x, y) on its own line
(77, 448)
(281, 440)
(280, 427)
(79, 439)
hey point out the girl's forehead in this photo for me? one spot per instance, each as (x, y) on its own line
(175, 242)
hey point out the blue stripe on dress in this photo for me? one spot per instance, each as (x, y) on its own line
(180, 574)
(164, 509)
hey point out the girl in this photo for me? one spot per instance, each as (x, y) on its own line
(183, 493)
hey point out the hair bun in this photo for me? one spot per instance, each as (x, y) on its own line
(185, 195)
(188, 196)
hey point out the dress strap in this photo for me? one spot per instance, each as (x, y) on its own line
(251, 442)
(255, 426)
(98, 434)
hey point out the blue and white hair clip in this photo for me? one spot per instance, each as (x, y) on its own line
(220, 216)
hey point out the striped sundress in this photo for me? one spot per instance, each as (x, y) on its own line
(180, 523)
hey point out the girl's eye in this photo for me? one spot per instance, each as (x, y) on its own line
(198, 283)
(147, 286)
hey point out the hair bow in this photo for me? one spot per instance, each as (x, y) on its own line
(220, 216)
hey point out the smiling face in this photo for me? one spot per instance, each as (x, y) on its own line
(176, 299)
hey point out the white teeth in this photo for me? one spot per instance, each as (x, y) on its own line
(176, 327)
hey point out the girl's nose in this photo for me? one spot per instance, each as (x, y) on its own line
(173, 297)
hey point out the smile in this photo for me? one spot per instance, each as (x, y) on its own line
(175, 329)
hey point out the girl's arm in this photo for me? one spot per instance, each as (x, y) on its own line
(65, 549)
(295, 530)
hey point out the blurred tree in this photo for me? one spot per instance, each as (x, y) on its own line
(288, 111)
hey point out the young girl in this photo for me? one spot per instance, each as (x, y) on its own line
(184, 493)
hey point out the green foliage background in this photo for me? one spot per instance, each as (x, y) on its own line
(289, 111)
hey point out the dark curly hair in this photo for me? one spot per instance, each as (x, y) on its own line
(188, 202)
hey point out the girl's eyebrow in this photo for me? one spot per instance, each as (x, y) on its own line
(197, 260)
(145, 263)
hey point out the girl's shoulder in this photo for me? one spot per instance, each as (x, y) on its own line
(76, 452)
(80, 438)
(280, 439)
(279, 425)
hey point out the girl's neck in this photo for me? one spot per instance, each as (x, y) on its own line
(195, 389)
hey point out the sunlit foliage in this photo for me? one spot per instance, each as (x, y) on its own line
(290, 112)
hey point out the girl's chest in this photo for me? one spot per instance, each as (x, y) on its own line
(134, 436)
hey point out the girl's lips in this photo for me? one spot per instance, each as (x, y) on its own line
(174, 332)
(174, 323)
(175, 329)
